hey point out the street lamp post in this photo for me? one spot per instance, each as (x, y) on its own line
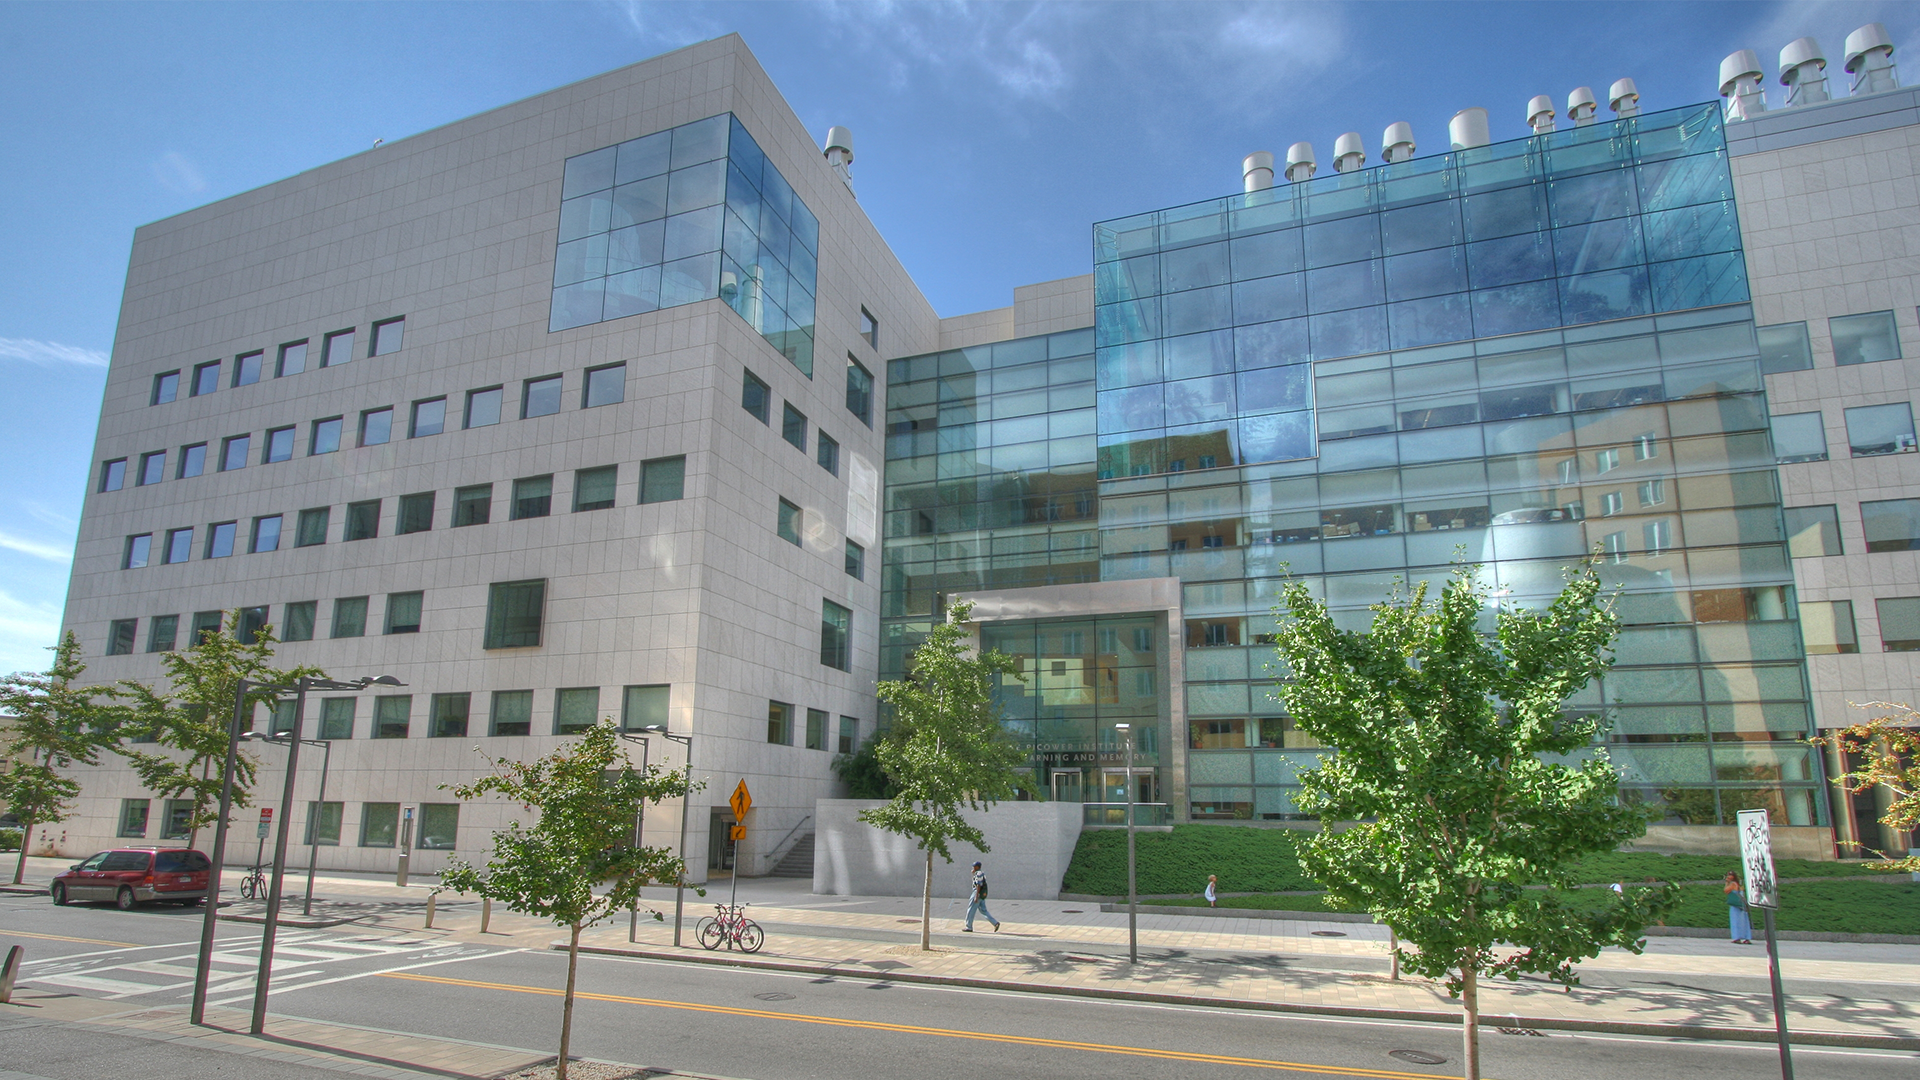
(313, 820)
(639, 824)
(1133, 905)
(208, 917)
(686, 796)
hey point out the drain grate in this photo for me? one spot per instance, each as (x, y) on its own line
(1417, 1057)
(915, 922)
(1328, 933)
(1073, 911)
(774, 995)
(1523, 1031)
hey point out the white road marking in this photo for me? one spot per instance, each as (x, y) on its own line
(383, 971)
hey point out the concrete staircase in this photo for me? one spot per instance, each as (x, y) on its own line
(798, 861)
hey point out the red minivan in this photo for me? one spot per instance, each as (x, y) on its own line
(128, 876)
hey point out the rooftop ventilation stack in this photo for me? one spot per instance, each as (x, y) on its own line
(1870, 60)
(839, 154)
(1300, 163)
(1581, 106)
(1624, 98)
(1740, 84)
(1468, 129)
(1396, 143)
(1349, 153)
(1540, 114)
(1257, 171)
(1803, 71)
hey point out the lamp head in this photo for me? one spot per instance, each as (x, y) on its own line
(1123, 727)
(380, 680)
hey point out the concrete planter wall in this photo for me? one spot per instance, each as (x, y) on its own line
(1031, 844)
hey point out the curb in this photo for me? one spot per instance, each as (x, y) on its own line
(1192, 911)
(1487, 1020)
(24, 890)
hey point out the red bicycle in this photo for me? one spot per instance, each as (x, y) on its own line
(730, 925)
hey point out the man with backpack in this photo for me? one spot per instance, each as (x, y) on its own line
(977, 903)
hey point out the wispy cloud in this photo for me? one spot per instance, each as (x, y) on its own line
(668, 25)
(177, 174)
(50, 353)
(27, 629)
(36, 548)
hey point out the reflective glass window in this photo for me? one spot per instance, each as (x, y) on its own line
(1864, 339)
(575, 709)
(325, 438)
(376, 426)
(1418, 228)
(1506, 212)
(1873, 430)
(663, 479)
(113, 474)
(1784, 348)
(387, 336)
(605, 385)
(1826, 627)
(415, 514)
(246, 369)
(514, 612)
(511, 712)
(483, 407)
(363, 520)
(403, 612)
(338, 349)
(756, 397)
(292, 360)
(472, 505)
(1510, 259)
(166, 387)
(279, 445)
(593, 489)
(233, 452)
(1891, 524)
(220, 539)
(206, 379)
(179, 546)
(349, 617)
(138, 551)
(540, 397)
(787, 524)
(793, 426)
(532, 497)
(1812, 531)
(266, 534)
(312, 527)
(1899, 623)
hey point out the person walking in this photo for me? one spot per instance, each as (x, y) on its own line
(1213, 890)
(1739, 921)
(977, 903)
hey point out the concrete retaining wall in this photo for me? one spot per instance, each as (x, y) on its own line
(1031, 844)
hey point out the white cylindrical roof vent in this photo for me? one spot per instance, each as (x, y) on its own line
(1870, 60)
(839, 138)
(1349, 152)
(1743, 84)
(1803, 71)
(1300, 163)
(1624, 98)
(1396, 144)
(1540, 114)
(1581, 106)
(1257, 171)
(1468, 129)
(1744, 64)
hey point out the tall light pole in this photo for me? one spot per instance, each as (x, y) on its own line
(639, 823)
(313, 820)
(1133, 903)
(686, 795)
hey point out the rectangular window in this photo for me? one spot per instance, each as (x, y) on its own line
(439, 826)
(391, 716)
(1864, 339)
(1615, 545)
(312, 529)
(160, 632)
(193, 460)
(280, 717)
(514, 610)
(266, 534)
(859, 391)
(1656, 536)
(472, 505)
(788, 525)
(252, 621)
(448, 716)
(206, 379)
(379, 824)
(575, 709)
(403, 612)
(1899, 623)
(376, 426)
(121, 634)
(540, 397)
(827, 453)
(849, 734)
(337, 349)
(1812, 531)
(1646, 446)
(387, 336)
(1784, 348)
(363, 520)
(246, 368)
(1873, 430)
(292, 361)
(166, 387)
(1826, 626)
(176, 815)
(756, 397)
(1612, 503)
(1653, 492)
(326, 436)
(780, 723)
(642, 707)
(663, 479)
(133, 817)
(179, 546)
(336, 717)
(483, 406)
(816, 729)
(1892, 524)
(300, 618)
(323, 823)
(869, 328)
(220, 538)
(153, 468)
(1799, 437)
(793, 426)
(1605, 461)
(415, 515)
(856, 561)
(113, 474)
(429, 418)
(605, 386)
(532, 497)
(233, 452)
(204, 624)
(512, 712)
(593, 489)
(836, 635)
(349, 617)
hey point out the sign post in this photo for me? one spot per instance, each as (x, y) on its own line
(741, 801)
(1763, 892)
(266, 826)
(406, 845)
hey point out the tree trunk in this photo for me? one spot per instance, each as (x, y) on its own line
(193, 834)
(26, 834)
(1470, 1018)
(1393, 946)
(926, 907)
(566, 1012)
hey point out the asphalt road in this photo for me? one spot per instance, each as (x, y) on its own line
(777, 1026)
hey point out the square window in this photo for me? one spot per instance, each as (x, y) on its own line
(1891, 524)
(153, 468)
(1653, 492)
(279, 445)
(816, 729)
(540, 397)
(483, 406)
(642, 707)
(337, 716)
(323, 823)
(166, 387)
(1605, 461)
(849, 734)
(206, 379)
(512, 712)
(789, 524)
(416, 514)
(266, 534)
(1864, 339)
(859, 391)
(280, 717)
(447, 716)
(605, 386)
(1784, 348)
(1826, 627)
(593, 489)
(439, 826)
(514, 610)
(349, 617)
(120, 636)
(836, 635)
(204, 624)
(472, 505)
(337, 349)
(174, 825)
(780, 723)
(1612, 503)
(379, 824)
(429, 418)
(220, 538)
(363, 520)
(300, 619)
(1646, 447)
(1812, 531)
(869, 328)
(756, 397)
(1873, 430)
(193, 460)
(292, 361)
(233, 452)
(160, 632)
(793, 426)
(1899, 623)
(312, 528)
(376, 426)
(326, 436)
(403, 612)
(387, 336)
(663, 479)
(113, 474)
(246, 368)
(253, 620)
(1799, 437)
(532, 497)
(392, 715)
(133, 817)
(575, 709)
(856, 561)
(827, 453)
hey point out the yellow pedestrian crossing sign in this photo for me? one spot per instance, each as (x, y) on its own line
(742, 801)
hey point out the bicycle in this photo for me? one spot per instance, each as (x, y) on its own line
(254, 885)
(730, 925)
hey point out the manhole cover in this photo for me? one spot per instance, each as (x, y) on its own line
(774, 995)
(1417, 1057)
(1073, 911)
(1329, 933)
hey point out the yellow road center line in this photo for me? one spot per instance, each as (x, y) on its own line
(81, 940)
(949, 1033)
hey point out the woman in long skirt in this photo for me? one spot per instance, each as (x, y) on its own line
(1739, 922)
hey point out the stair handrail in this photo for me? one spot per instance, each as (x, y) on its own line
(775, 855)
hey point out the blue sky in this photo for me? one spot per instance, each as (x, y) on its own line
(989, 136)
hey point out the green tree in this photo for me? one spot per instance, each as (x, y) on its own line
(1470, 790)
(48, 724)
(862, 774)
(193, 718)
(1885, 753)
(587, 793)
(946, 749)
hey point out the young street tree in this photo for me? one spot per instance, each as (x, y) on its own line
(48, 724)
(1887, 750)
(193, 719)
(588, 794)
(1469, 789)
(946, 749)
